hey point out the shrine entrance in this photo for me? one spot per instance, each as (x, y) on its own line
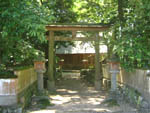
(95, 29)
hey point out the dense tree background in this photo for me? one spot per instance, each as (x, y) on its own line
(21, 23)
(22, 27)
(133, 36)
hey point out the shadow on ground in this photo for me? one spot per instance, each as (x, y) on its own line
(74, 96)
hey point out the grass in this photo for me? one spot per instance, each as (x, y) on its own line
(52, 93)
(43, 100)
(111, 102)
(43, 103)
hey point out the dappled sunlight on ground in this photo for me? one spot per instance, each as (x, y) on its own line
(65, 90)
(101, 110)
(95, 101)
(59, 99)
(44, 111)
(73, 96)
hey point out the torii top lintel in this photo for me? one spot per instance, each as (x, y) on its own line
(77, 27)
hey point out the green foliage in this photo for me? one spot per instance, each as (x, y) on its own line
(21, 21)
(58, 74)
(111, 102)
(43, 99)
(131, 95)
(40, 56)
(22, 27)
(130, 38)
(15, 68)
(7, 74)
(133, 44)
(88, 75)
(61, 10)
(44, 103)
(96, 11)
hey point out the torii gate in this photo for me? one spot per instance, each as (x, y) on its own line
(74, 28)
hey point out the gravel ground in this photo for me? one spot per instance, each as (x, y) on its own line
(74, 96)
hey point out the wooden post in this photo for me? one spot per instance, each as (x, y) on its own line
(97, 64)
(51, 81)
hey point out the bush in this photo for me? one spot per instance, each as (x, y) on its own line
(58, 74)
(88, 75)
(7, 74)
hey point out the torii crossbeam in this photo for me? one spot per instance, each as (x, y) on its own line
(74, 28)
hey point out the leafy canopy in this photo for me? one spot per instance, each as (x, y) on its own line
(22, 27)
(21, 21)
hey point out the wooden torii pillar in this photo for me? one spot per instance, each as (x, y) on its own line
(73, 28)
(51, 81)
(98, 76)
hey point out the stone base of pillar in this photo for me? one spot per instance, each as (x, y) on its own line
(113, 94)
(114, 80)
(51, 85)
(98, 85)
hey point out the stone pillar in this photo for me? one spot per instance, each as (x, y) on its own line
(114, 80)
(40, 69)
(40, 80)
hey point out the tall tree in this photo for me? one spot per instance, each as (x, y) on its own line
(20, 21)
(134, 47)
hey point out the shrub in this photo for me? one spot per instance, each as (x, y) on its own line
(88, 75)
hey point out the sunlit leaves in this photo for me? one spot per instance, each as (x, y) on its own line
(132, 40)
(20, 22)
(95, 11)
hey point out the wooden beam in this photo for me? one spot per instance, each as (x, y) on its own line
(77, 28)
(60, 38)
(51, 82)
(97, 64)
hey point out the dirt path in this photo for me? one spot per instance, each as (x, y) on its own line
(73, 96)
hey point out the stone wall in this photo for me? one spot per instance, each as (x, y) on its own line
(14, 91)
(137, 79)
